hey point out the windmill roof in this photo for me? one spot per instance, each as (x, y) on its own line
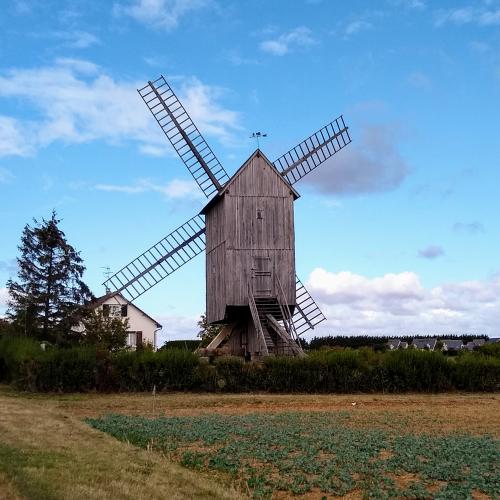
(256, 153)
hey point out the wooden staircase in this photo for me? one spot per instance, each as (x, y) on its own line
(277, 339)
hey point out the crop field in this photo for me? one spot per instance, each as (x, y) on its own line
(300, 453)
(229, 446)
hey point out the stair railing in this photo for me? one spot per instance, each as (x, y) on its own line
(256, 321)
(285, 312)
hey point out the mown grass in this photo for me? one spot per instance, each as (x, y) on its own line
(298, 453)
(46, 453)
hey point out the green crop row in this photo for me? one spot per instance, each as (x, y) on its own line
(299, 453)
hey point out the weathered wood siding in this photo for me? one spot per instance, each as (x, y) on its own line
(252, 220)
(216, 266)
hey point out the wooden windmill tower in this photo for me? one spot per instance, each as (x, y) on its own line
(247, 231)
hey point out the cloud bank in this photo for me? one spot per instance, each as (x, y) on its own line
(396, 304)
(77, 102)
(289, 41)
(371, 163)
(159, 14)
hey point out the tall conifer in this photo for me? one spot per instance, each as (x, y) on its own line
(49, 287)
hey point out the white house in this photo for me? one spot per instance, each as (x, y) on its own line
(142, 328)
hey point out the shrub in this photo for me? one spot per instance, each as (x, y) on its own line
(415, 370)
(61, 370)
(477, 373)
(171, 369)
(231, 374)
(188, 345)
(490, 349)
(13, 352)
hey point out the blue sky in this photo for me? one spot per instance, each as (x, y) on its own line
(397, 234)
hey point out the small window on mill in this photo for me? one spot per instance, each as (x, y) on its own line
(260, 214)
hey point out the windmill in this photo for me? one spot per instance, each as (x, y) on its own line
(247, 232)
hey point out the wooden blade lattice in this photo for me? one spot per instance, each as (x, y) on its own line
(307, 314)
(184, 136)
(159, 261)
(313, 151)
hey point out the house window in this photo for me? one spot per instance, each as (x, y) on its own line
(134, 339)
(115, 310)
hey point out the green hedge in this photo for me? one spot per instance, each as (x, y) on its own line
(86, 369)
(187, 345)
(13, 352)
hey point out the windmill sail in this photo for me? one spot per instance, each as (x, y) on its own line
(184, 136)
(314, 150)
(307, 314)
(161, 260)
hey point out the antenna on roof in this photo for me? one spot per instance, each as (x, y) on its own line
(257, 136)
(107, 274)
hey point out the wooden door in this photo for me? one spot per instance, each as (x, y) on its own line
(262, 277)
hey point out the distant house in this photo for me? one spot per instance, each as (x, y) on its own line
(427, 344)
(393, 344)
(142, 328)
(452, 344)
(403, 345)
(472, 344)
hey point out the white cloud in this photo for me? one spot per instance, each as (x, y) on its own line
(480, 16)
(398, 303)
(159, 14)
(78, 102)
(356, 26)
(201, 103)
(175, 189)
(14, 140)
(4, 297)
(76, 39)
(372, 163)
(177, 328)
(78, 65)
(431, 252)
(287, 42)
(410, 4)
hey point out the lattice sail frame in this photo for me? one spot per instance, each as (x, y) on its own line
(314, 150)
(160, 260)
(307, 314)
(184, 136)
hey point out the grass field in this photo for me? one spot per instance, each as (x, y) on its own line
(434, 446)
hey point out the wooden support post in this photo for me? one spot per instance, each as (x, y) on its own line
(222, 335)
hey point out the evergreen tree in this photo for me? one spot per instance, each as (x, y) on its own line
(49, 289)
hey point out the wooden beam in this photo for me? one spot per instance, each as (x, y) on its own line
(284, 335)
(222, 335)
